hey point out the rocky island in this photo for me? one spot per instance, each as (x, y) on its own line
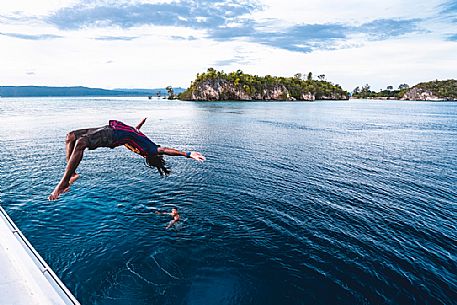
(436, 90)
(432, 91)
(216, 85)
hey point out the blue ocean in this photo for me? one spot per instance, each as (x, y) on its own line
(328, 202)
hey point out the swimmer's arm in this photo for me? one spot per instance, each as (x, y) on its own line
(174, 152)
(171, 223)
(140, 124)
(162, 213)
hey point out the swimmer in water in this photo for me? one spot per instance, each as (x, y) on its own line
(174, 214)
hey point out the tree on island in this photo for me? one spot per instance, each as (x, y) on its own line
(364, 92)
(356, 91)
(171, 93)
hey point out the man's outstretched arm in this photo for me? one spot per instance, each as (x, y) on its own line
(162, 213)
(174, 152)
(140, 124)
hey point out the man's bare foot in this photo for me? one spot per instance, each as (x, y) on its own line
(73, 179)
(53, 196)
(57, 191)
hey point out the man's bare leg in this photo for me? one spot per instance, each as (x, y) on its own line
(69, 145)
(69, 148)
(72, 164)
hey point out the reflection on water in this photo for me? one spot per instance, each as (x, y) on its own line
(298, 203)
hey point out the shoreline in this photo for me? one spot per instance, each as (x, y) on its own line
(98, 97)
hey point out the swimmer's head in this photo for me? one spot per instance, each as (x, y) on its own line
(174, 211)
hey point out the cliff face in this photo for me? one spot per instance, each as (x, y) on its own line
(216, 90)
(221, 90)
(420, 94)
(433, 91)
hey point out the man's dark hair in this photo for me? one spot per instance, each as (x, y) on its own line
(158, 162)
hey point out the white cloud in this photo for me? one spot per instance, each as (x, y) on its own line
(156, 56)
(33, 7)
(349, 11)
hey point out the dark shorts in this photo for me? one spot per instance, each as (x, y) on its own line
(96, 137)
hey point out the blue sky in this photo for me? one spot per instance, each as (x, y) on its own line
(144, 44)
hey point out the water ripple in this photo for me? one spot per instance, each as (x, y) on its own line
(298, 203)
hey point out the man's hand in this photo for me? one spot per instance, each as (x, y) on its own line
(197, 156)
(162, 213)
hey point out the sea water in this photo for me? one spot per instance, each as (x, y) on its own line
(329, 202)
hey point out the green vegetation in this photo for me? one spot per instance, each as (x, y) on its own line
(446, 89)
(171, 93)
(434, 90)
(388, 93)
(240, 86)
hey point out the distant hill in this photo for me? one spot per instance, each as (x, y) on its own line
(44, 91)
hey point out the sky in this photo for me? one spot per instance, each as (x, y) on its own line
(156, 43)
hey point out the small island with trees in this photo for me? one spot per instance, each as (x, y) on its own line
(216, 85)
(427, 91)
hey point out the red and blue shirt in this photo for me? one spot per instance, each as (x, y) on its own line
(133, 139)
